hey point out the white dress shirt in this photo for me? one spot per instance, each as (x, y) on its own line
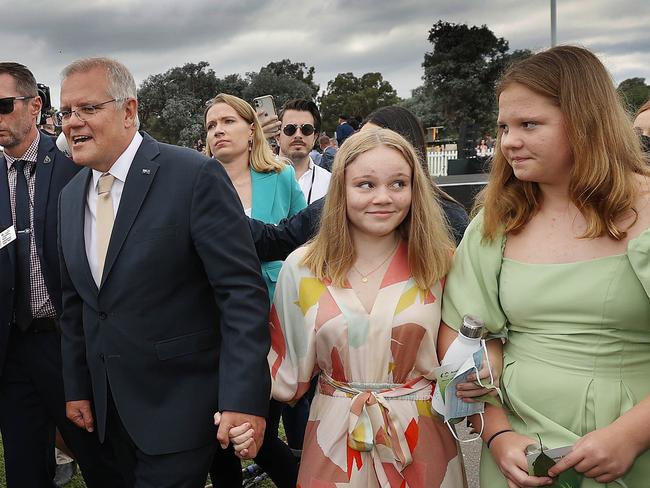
(119, 170)
(315, 182)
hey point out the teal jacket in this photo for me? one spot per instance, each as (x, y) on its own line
(275, 196)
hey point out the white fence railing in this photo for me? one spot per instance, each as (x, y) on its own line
(437, 161)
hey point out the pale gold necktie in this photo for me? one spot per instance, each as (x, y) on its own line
(105, 218)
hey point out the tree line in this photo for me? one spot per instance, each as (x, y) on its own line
(459, 76)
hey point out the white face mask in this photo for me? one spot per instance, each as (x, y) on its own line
(452, 408)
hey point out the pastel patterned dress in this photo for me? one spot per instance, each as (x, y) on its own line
(370, 423)
(578, 349)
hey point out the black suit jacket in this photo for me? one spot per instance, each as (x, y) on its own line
(179, 326)
(53, 171)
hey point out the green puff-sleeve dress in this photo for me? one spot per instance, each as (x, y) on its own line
(577, 354)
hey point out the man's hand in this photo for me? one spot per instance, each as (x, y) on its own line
(79, 412)
(270, 125)
(228, 420)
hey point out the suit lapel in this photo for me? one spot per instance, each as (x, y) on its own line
(44, 166)
(263, 190)
(138, 181)
(5, 209)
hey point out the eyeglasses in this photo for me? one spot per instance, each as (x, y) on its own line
(63, 117)
(7, 104)
(306, 129)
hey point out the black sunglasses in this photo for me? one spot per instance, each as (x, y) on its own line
(306, 129)
(7, 104)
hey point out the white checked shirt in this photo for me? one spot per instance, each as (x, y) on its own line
(39, 298)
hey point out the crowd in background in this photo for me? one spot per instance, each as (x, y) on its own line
(157, 296)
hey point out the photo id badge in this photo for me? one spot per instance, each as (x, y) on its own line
(6, 236)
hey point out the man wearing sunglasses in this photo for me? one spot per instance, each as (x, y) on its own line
(300, 127)
(32, 173)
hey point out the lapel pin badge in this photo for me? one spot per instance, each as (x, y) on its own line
(47, 160)
(146, 171)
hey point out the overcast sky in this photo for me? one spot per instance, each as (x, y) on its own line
(334, 36)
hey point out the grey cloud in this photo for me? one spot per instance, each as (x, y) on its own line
(85, 28)
(335, 36)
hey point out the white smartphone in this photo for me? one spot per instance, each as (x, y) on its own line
(265, 106)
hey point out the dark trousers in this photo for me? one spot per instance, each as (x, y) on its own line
(32, 406)
(185, 469)
(295, 420)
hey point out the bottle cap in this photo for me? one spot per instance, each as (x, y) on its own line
(472, 326)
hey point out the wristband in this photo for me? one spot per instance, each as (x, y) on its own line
(495, 435)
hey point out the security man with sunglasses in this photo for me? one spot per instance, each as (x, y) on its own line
(32, 173)
(300, 127)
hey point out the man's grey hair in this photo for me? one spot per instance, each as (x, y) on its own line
(121, 85)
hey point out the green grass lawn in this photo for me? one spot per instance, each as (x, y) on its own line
(78, 482)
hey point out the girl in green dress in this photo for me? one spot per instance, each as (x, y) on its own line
(557, 263)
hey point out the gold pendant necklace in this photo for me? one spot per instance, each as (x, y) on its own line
(364, 277)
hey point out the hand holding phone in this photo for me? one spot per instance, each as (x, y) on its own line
(265, 108)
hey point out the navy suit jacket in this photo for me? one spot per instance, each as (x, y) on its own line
(53, 171)
(179, 325)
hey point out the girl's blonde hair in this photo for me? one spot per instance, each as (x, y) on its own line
(261, 157)
(331, 254)
(606, 151)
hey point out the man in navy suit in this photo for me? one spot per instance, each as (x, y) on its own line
(32, 173)
(164, 309)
